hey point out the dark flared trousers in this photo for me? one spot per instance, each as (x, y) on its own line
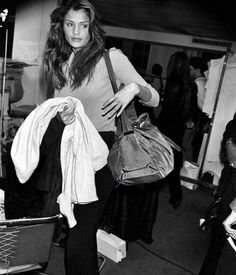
(81, 247)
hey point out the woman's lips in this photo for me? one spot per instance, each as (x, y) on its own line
(76, 39)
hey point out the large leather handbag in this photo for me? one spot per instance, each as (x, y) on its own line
(141, 153)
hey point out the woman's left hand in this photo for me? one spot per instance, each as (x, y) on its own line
(231, 154)
(228, 222)
(117, 103)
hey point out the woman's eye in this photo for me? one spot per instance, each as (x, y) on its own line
(85, 26)
(69, 24)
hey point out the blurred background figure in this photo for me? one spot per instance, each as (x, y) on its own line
(198, 68)
(219, 252)
(157, 80)
(179, 109)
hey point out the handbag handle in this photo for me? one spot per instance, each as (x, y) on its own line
(125, 123)
(144, 118)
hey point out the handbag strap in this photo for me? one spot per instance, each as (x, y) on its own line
(110, 71)
(125, 123)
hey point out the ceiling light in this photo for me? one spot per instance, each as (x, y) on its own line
(4, 14)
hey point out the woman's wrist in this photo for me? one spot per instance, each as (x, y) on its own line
(144, 94)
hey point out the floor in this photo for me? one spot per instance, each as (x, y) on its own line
(178, 248)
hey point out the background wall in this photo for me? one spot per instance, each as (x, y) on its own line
(31, 27)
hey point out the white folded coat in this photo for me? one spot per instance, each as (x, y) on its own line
(83, 151)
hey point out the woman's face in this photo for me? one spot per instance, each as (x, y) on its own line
(76, 28)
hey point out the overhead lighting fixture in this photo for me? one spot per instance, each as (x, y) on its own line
(3, 16)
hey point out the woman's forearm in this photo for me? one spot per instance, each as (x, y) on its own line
(146, 96)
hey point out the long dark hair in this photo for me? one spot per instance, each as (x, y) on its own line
(57, 50)
(180, 88)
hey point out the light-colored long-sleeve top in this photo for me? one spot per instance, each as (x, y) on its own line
(94, 93)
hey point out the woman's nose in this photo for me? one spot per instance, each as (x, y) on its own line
(76, 29)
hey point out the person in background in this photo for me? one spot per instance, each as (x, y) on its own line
(227, 260)
(158, 83)
(179, 108)
(197, 69)
(74, 65)
(226, 192)
(157, 80)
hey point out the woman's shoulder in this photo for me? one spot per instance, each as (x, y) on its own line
(114, 50)
(116, 54)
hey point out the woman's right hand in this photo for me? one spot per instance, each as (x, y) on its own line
(68, 114)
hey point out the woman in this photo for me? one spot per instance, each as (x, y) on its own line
(227, 259)
(74, 64)
(219, 253)
(179, 110)
(227, 263)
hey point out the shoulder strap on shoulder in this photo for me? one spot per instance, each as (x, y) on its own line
(110, 71)
(125, 123)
